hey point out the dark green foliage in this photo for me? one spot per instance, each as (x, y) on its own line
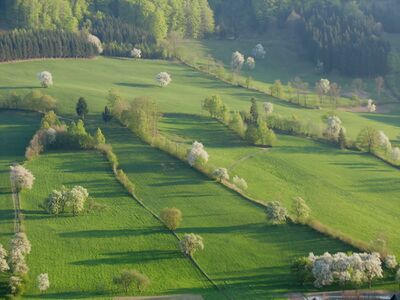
(82, 108)
(254, 111)
(368, 139)
(107, 116)
(28, 44)
(301, 269)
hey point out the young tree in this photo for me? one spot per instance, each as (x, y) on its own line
(190, 243)
(368, 139)
(221, 174)
(82, 108)
(96, 42)
(391, 262)
(334, 124)
(250, 63)
(265, 135)
(99, 137)
(107, 116)
(43, 282)
(240, 183)
(77, 198)
(276, 213)
(277, 89)
(171, 217)
(125, 279)
(237, 123)
(21, 178)
(301, 210)
(268, 107)
(197, 155)
(254, 111)
(371, 106)
(163, 79)
(45, 78)
(342, 140)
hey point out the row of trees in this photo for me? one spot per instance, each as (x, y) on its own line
(29, 44)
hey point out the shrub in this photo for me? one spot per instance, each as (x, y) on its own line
(171, 217)
(240, 183)
(21, 178)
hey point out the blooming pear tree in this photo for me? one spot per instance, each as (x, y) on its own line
(45, 78)
(268, 108)
(221, 174)
(190, 243)
(276, 213)
(197, 155)
(250, 63)
(77, 197)
(391, 262)
(384, 142)
(96, 41)
(396, 154)
(240, 183)
(237, 61)
(163, 79)
(371, 106)
(136, 53)
(4, 267)
(21, 178)
(334, 124)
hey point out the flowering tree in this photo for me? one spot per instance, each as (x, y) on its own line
(259, 51)
(322, 270)
(45, 78)
(251, 63)
(276, 213)
(384, 142)
(77, 197)
(371, 106)
(136, 53)
(240, 183)
(396, 154)
(197, 154)
(171, 217)
(221, 174)
(391, 262)
(14, 284)
(4, 267)
(20, 241)
(51, 135)
(334, 124)
(163, 79)
(322, 88)
(268, 108)
(96, 41)
(191, 243)
(43, 282)
(17, 262)
(301, 209)
(237, 61)
(21, 178)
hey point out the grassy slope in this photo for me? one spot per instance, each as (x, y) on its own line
(82, 254)
(93, 78)
(349, 191)
(16, 129)
(242, 253)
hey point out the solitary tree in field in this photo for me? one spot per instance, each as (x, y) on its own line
(45, 78)
(107, 115)
(171, 217)
(21, 178)
(163, 79)
(129, 277)
(276, 213)
(99, 137)
(82, 108)
(190, 243)
(301, 210)
(43, 282)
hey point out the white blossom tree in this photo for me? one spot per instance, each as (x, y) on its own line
(163, 79)
(136, 53)
(384, 142)
(190, 243)
(396, 154)
(268, 107)
(43, 282)
(372, 266)
(250, 63)
(221, 174)
(237, 61)
(45, 78)
(391, 262)
(334, 124)
(4, 267)
(21, 178)
(276, 213)
(51, 135)
(322, 270)
(96, 41)
(20, 242)
(197, 154)
(371, 106)
(77, 199)
(17, 262)
(259, 51)
(240, 183)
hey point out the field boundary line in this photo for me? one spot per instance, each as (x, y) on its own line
(246, 157)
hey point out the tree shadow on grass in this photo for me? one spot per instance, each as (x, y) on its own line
(131, 257)
(67, 295)
(112, 233)
(19, 87)
(135, 85)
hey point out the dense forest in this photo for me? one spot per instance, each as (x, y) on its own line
(344, 35)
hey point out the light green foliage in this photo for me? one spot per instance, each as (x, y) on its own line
(99, 137)
(301, 210)
(276, 213)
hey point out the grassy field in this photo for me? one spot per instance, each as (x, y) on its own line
(346, 190)
(16, 129)
(245, 255)
(82, 254)
(93, 78)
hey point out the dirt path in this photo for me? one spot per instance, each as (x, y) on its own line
(236, 163)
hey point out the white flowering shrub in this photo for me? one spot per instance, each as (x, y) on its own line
(333, 126)
(391, 262)
(77, 198)
(20, 241)
(221, 174)
(17, 262)
(190, 243)
(4, 267)
(136, 53)
(240, 183)
(259, 51)
(43, 282)
(324, 85)
(45, 78)
(14, 284)
(268, 108)
(163, 79)
(384, 142)
(251, 63)
(237, 61)
(21, 178)
(96, 41)
(197, 155)
(371, 106)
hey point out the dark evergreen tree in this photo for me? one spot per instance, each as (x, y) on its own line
(82, 108)
(254, 111)
(107, 116)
